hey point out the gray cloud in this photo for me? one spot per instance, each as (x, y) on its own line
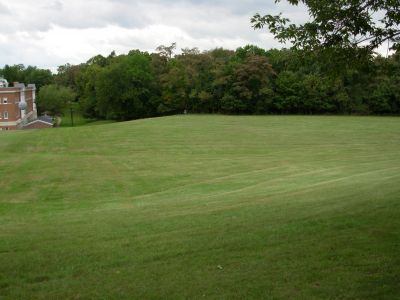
(55, 5)
(51, 32)
(4, 9)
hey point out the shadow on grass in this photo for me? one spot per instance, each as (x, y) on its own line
(79, 119)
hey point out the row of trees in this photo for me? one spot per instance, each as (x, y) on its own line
(249, 80)
(30, 74)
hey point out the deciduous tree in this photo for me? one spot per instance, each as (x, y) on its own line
(343, 30)
(54, 99)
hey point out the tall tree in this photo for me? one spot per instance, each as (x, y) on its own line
(126, 89)
(54, 99)
(166, 51)
(250, 84)
(40, 77)
(67, 75)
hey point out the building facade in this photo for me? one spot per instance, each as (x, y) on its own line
(17, 105)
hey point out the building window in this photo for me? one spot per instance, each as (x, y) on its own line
(5, 115)
(5, 100)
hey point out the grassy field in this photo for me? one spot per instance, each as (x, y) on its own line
(202, 207)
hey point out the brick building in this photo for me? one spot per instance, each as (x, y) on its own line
(17, 106)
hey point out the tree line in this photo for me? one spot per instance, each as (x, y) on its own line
(249, 80)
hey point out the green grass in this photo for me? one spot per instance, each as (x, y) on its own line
(202, 207)
(79, 119)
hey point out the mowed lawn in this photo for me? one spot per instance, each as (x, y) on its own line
(202, 207)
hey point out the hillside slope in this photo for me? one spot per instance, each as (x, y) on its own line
(210, 207)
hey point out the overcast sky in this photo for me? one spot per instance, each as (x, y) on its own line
(49, 33)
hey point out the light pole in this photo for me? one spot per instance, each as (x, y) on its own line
(72, 116)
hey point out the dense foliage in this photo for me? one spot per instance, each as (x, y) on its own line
(249, 80)
(349, 29)
(54, 99)
(30, 74)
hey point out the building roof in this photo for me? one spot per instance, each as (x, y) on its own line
(43, 119)
(46, 119)
(16, 85)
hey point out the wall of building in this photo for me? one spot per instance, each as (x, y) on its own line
(11, 107)
(10, 114)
